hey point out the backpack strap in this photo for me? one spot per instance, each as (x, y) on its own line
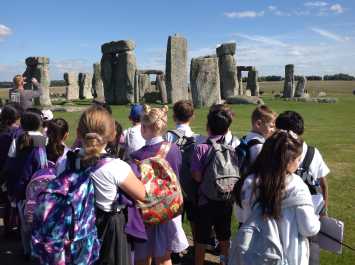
(308, 158)
(179, 135)
(252, 142)
(164, 149)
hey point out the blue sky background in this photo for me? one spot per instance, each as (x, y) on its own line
(317, 36)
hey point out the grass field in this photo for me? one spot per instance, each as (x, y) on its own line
(329, 127)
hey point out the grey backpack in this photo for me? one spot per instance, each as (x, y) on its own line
(221, 172)
(258, 239)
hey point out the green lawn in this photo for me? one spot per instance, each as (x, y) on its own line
(329, 127)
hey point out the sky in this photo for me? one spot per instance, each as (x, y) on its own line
(317, 36)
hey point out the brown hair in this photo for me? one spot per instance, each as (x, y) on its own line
(18, 79)
(156, 118)
(183, 110)
(96, 128)
(270, 168)
(263, 113)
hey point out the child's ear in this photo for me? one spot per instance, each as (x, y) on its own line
(66, 135)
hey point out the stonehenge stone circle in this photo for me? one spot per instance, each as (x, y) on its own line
(176, 68)
(97, 85)
(301, 87)
(87, 86)
(227, 70)
(118, 71)
(72, 86)
(204, 81)
(143, 84)
(289, 83)
(38, 67)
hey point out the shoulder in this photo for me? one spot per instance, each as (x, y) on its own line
(295, 185)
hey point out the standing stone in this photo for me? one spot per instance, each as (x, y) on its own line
(87, 88)
(37, 67)
(204, 80)
(118, 71)
(81, 79)
(227, 70)
(301, 87)
(137, 95)
(72, 86)
(289, 86)
(176, 68)
(160, 84)
(97, 85)
(144, 85)
(252, 82)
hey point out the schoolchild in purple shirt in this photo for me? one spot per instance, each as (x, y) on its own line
(211, 214)
(9, 129)
(162, 237)
(26, 155)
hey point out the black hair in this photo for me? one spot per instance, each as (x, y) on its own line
(9, 115)
(17, 106)
(290, 121)
(30, 121)
(57, 129)
(219, 120)
(183, 110)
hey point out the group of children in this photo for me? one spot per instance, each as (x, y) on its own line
(110, 157)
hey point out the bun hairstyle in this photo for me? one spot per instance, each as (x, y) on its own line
(156, 118)
(96, 128)
(57, 129)
(270, 168)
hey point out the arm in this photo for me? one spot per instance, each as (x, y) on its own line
(133, 187)
(34, 93)
(324, 187)
(307, 220)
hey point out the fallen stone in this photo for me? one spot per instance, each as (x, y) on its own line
(245, 100)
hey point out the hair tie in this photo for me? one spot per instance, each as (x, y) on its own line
(91, 136)
(291, 133)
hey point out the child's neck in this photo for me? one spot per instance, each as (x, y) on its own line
(135, 123)
(257, 132)
(182, 123)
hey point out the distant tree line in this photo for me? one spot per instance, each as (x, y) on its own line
(339, 77)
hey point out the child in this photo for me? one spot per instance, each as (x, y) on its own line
(183, 115)
(9, 129)
(57, 133)
(293, 121)
(95, 129)
(272, 180)
(263, 126)
(229, 138)
(162, 238)
(26, 155)
(211, 214)
(132, 136)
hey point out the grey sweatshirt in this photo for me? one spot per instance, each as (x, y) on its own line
(25, 97)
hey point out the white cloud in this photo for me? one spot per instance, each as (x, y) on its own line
(328, 34)
(4, 31)
(316, 4)
(244, 14)
(272, 8)
(269, 57)
(262, 39)
(337, 8)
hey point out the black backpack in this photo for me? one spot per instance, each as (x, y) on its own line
(304, 172)
(243, 153)
(186, 145)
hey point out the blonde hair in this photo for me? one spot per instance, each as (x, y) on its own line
(96, 128)
(18, 79)
(156, 118)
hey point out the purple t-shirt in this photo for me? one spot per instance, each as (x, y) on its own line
(198, 162)
(173, 157)
(198, 159)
